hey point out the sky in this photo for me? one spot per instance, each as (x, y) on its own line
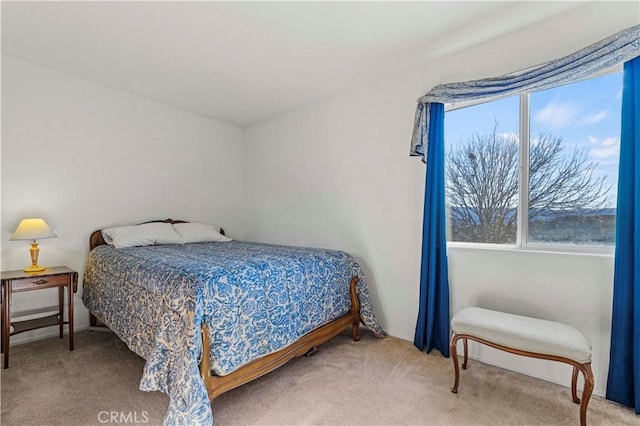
(585, 114)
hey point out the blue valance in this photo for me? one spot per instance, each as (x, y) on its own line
(599, 56)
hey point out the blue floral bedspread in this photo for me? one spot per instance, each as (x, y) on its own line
(256, 298)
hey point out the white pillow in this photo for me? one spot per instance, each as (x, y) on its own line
(199, 233)
(146, 234)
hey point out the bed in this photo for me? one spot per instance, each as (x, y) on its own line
(254, 306)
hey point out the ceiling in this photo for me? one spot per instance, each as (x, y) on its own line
(243, 62)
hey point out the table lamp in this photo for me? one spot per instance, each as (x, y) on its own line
(33, 229)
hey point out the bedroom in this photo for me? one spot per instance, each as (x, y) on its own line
(91, 138)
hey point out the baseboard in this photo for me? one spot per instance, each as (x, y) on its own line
(565, 384)
(100, 329)
(35, 335)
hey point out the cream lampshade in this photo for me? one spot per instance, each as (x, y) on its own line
(33, 229)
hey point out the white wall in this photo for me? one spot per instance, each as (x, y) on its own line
(84, 156)
(337, 174)
(334, 174)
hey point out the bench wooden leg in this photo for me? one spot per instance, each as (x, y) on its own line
(574, 385)
(466, 353)
(587, 374)
(586, 392)
(454, 356)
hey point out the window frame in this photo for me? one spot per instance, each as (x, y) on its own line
(522, 226)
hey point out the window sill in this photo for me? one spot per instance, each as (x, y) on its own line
(537, 248)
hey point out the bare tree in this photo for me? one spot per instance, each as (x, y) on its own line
(482, 184)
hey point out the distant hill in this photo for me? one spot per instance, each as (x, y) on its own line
(580, 226)
(592, 228)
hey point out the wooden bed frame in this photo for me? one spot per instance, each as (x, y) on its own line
(217, 385)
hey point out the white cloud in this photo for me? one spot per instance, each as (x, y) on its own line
(602, 153)
(556, 115)
(595, 118)
(510, 136)
(608, 148)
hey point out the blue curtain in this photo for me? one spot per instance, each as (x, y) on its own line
(432, 329)
(623, 383)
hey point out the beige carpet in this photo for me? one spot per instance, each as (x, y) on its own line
(371, 382)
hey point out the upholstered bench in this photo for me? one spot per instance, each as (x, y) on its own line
(529, 337)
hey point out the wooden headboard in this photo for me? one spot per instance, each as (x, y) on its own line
(96, 239)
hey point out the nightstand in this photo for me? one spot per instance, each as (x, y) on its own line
(18, 281)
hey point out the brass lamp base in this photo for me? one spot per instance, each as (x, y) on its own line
(36, 268)
(34, 251)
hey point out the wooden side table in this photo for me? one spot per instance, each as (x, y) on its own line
(18, 281)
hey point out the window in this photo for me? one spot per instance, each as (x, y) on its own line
(537, 169)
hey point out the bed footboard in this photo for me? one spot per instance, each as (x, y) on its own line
(217, 385)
